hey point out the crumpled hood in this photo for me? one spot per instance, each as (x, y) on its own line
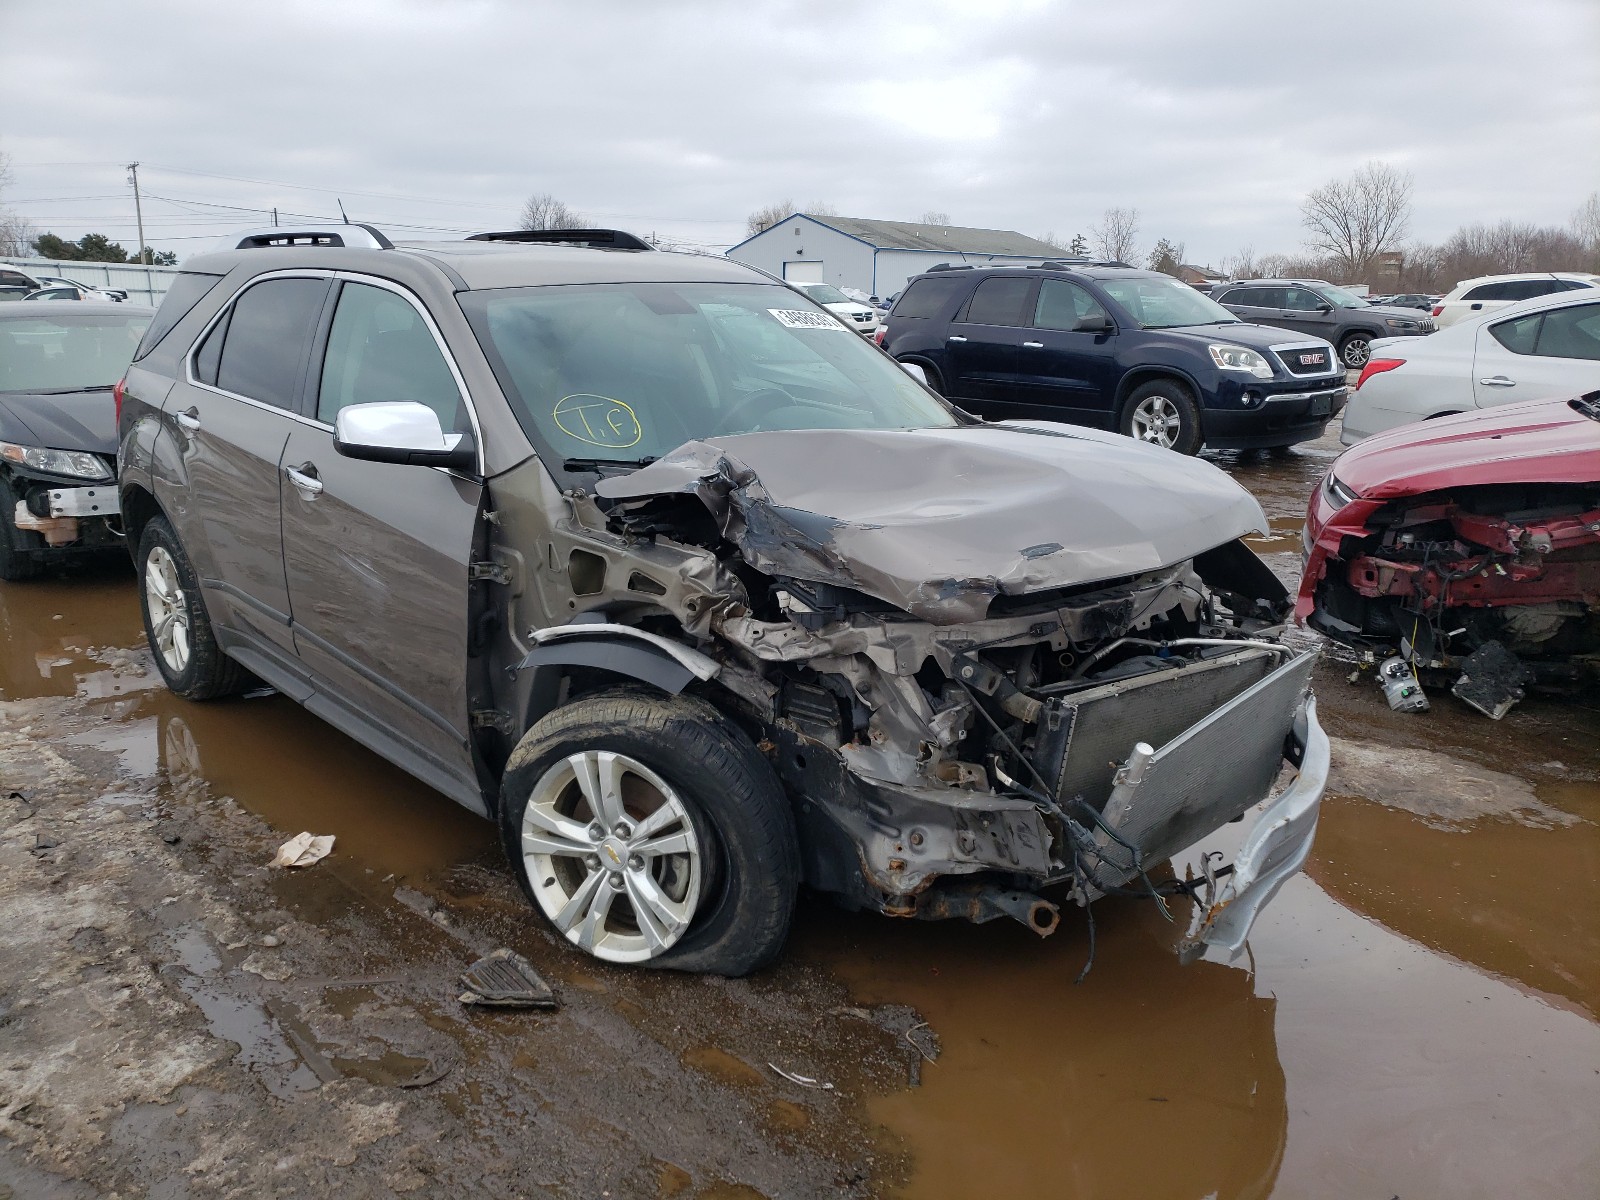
(939, 521)
(1545, 441)
(71, 421)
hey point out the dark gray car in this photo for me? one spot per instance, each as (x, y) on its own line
(1329, 312)
(699, 596)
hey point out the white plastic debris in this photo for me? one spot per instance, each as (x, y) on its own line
(303, 849)
(804, 1081)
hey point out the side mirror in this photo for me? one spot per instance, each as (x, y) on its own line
(916, 372)
(1324, 308)
(1093, 323)
(401, 432)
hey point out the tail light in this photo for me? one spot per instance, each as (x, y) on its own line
(1437, 309)
(1377, 366)
(116, 396)
(877, 338)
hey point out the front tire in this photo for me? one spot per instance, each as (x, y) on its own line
(176, 621)
(648, 830)
(1355, 350)
(1163, 413)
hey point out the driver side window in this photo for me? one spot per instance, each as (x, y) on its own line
(1062, 305)
(381, 350)
(1299, 299)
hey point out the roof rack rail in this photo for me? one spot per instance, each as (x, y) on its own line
(594, 239)
(950, 267)
(363, 236)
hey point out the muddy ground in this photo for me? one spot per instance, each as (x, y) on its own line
(1416, 1016)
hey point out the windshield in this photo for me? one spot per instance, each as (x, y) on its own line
(825, 293)
(64, 349)
(628, 372)
(1161, 302)
(1338, 297)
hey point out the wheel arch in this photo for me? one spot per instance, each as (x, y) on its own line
(139, 508)
(1139, 376)
(605, 654)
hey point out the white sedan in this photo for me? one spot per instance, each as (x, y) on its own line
(1540, 349)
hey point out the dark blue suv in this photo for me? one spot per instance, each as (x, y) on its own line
(1115, 348)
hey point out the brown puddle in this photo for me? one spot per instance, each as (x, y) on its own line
(81, 634)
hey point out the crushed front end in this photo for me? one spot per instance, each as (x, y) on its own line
(970, 747)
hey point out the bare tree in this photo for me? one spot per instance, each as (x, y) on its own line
(766, 218)
(16, 231)
(934, 217)
(1114, 236)
(820, 208)
(544, 211)
(1242, 264)
(1354, 220)
(1586, 222)
(1166, 257)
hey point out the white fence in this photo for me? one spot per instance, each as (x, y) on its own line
(144, 285)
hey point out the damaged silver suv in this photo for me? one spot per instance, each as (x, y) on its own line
(701, 597)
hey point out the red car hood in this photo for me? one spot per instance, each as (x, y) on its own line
(1544, 442)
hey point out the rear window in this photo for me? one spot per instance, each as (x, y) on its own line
(926, 297)
(187, 290)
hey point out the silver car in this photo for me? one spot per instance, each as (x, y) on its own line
(642, 556)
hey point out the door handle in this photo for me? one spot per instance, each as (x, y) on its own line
(1498, 381)
(955, 337)
(189, 418)
(1033, 345)
(304, 478)
(1476, 307)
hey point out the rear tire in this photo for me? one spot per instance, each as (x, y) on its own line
(16, 563)
(688, 826)
(1163, 413)
(176, 621)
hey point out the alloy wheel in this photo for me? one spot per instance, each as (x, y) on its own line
(168, 609)
(1356, 352)
(1156, 419)
(612, 855)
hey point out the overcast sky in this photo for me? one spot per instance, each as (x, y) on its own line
(680, 118)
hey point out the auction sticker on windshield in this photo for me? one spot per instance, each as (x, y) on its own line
(798, 318)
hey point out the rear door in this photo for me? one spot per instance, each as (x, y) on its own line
(984, 344)
(1541, 356)
(1064, 372)
(377, 554)
(230, 417)
(1260, 305)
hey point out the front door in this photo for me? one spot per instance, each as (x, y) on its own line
(230, 416)
(377, 554)
(1306, 312)
(1065, 372)
(984, 344)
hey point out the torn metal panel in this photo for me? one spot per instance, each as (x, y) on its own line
(938, 522)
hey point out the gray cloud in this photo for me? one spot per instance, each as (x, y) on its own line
(681, 118)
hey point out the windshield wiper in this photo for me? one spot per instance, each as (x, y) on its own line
(599, 464)
(93, 387)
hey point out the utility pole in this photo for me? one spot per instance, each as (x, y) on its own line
(138, 212)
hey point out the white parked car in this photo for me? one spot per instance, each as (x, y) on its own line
(1540, 349)
(1490, 293)
(863, 318)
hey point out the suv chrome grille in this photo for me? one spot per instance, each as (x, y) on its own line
(1306, 360)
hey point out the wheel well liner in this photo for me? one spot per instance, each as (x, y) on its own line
(616, 654)
(1140, 376)
(138, 507)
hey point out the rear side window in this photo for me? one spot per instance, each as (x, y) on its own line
(381, 351)
(1518, 336)
(926, 297)
(1571, 333)
(263, 353)
(1001, 302)
(1571, 285)
(1489, 291)
(187, 290)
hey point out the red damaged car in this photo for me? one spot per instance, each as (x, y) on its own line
(1468, 544)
